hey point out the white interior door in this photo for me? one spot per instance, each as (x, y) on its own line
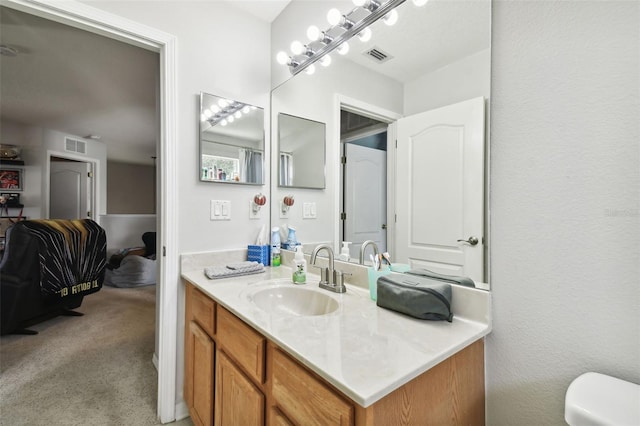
(440, 189)
(365, 200)
(69, 193)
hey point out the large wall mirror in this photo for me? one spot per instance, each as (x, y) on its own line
(301, 144)
(231, 141)
(423, 82)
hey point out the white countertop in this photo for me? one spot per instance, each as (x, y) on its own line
(363, 350)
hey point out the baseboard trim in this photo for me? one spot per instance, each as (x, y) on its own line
(182, 411)
(154, 360)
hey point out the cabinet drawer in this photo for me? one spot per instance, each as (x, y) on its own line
(203, 311)
(242, 343)
(303, 398)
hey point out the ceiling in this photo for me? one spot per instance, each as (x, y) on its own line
(80, 83)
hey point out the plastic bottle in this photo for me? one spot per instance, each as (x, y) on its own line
(299, 267)
(344, 253)
(275, 246)
(291, 239)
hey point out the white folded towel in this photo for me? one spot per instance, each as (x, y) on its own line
(233, 270)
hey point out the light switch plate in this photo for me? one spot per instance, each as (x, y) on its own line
(309, 211)
(220, 210)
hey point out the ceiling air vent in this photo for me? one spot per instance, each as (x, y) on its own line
(378, 55)
(75, 145)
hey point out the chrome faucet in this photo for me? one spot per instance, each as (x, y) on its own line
(363, 247)
(330, 279)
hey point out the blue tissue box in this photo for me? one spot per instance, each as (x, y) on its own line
(258, 254)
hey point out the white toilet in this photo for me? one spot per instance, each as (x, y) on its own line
(595, 399)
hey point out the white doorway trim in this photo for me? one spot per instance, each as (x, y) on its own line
(380, 114)
(97, 21)
(96, 193)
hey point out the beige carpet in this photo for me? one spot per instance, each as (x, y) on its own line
(89, 370)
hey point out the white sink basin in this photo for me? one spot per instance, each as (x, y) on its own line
(296, 301)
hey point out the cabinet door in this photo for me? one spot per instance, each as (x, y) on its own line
(238, 401)
(199, 375)
(276, 418)
(305, 399)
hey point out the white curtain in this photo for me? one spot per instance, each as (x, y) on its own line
(250, 166)
(286, 169)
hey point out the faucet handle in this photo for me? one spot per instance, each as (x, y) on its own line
(338, 279)
(324, 273)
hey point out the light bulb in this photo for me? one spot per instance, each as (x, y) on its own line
(343, 49)
(246, 109)
(313, 33)
(297, 48)
(215, 109)
(230, 119)
(325, 61)
(207, 113)
(365, 35)
(203, 117)
(391, 17)
(420, 3)
(310, 69)
(282, 58)
(253, 107)
(223, 122)
(238, 114)
(223, 103)
(334, 17)
(359, 3)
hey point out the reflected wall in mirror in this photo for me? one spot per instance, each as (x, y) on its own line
(231, 141)
(436, 56)
(301, 147)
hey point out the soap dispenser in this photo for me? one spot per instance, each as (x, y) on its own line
(344, 253)
(299, 267)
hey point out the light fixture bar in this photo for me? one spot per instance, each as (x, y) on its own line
(225, 112)
(301, 63)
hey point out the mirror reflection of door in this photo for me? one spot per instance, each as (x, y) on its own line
(364, 182)
(440, 191)
(69, 189)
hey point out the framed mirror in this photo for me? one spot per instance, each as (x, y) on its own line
(301, 150)
(231, 141)
(435, 56)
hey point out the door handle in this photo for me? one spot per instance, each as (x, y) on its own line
(472, 241)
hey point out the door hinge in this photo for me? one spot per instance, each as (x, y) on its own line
(90, 174)
(396, 143)
(395, 218)
(343, 216)
(89, 214)
(343, 159)
(164, 251)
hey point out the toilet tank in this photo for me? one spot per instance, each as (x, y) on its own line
(595, 399)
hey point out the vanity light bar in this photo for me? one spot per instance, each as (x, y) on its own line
(226, 112)
(298, 63)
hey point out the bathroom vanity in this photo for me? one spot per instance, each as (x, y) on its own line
(254, 361)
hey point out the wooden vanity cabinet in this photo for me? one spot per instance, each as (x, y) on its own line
(257, 383)
(199, 356)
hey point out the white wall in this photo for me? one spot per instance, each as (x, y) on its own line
(565, 221)
(459, 81)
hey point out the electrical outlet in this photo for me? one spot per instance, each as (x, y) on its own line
(255, 214)
(284, 210)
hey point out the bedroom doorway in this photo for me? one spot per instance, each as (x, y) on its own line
(97, 21)
(71, 189)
